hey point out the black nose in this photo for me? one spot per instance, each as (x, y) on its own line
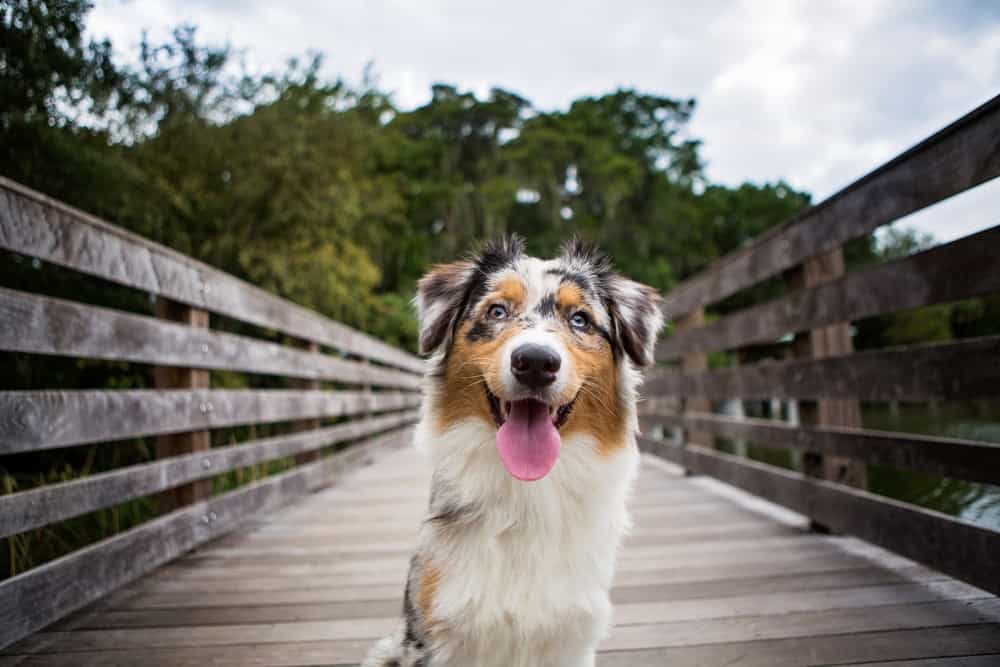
(535, 366)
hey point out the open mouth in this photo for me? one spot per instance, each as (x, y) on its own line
(500, 409)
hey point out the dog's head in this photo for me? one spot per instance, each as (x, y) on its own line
(537, 349)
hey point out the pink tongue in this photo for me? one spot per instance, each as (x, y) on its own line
(528, 441)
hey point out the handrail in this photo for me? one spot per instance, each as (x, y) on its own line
(38, 226)
(958, 270)
(375, 413)
(957, 158)
(819, 372)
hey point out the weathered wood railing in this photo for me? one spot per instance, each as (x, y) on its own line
(181, 411)
(824, 372)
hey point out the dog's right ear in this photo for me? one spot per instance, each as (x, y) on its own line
(441, 298)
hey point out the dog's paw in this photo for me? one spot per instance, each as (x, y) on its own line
(393, 651)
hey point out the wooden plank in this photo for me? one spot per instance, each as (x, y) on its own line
(48, 504)
(767, 626)
(266, 609)
(42, 325)
(34, 420)
(268, 595)
(173, 377)
(736, 584)
(36, 598)
(133, 639)
(295, 650)
(345, 653)
(668, 611)
(635, 559)
(957, 158)
(860, 647)
(204, 582)
(970, 460)
(836, 649)
(244, 615)
(35, 225)
(958, 270)
(991, 660)
(964, 369)
(953, 546)
(764, 626)
(158, 593)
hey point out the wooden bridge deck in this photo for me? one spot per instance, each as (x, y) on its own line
(710, 576)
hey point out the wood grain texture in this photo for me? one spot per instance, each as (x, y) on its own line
(34, 420)
(35, 225)
(173, 377)
(848, 648)
(694, 362)
(832, 340)
(42, 325)
(951, 272)
(764, 598)
(44, 505)
(957, 158)
(970, 460)
(964, 369)
(38, 597)
(958, 548)
(726, 626)
(314, 423)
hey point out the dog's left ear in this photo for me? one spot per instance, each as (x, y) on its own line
(440, 300)
(636, 317)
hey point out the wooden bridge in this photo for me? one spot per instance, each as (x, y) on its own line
(732, 561)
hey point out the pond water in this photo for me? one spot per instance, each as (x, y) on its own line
(978, 420)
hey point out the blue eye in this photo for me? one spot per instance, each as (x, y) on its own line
(497, 312)
(579, 320)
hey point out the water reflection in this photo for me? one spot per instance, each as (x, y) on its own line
(972, 420)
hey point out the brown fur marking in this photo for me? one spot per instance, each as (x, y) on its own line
(430, 579)
(569, 296)
(510, 289)
(470, 365)
(598, 410)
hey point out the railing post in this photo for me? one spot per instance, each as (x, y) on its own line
(834, 340)
(307, 424)
(734, 408)
(695, 362)
(171, 377)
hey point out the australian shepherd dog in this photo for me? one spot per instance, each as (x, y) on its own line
(529, 421)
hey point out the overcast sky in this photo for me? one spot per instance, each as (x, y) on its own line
(816, 93)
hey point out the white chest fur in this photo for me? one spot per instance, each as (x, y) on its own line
(525, 568)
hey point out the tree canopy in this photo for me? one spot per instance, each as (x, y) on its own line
(334, 197)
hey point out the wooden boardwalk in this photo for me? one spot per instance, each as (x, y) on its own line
(710, 576)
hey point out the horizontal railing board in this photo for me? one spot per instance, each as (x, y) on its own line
(957, 158)
(42, 595)
(959, 270)
(34, 420)
(35, 225)
(968, 460)
(957, 548)
(42, 325)
(966, 369)
(48, 504)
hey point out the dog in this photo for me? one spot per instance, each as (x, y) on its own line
(529, 420)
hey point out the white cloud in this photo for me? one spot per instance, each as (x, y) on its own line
(817, 93)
